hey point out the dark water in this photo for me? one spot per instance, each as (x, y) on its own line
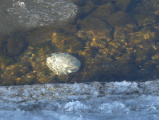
(115, 40)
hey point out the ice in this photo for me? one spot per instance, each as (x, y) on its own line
(81, 101)
(75, 106)
(115, 107)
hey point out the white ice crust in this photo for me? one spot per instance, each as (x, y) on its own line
(81, 101)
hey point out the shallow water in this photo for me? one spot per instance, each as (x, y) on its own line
(119, 44)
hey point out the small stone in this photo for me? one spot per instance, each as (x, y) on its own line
(63, 63)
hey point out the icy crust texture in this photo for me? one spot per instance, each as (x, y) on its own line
(35, 13)
(63, 63)
(81, 101)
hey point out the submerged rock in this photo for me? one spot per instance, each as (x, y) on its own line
(120, 19)
(18, 73)
(5, 61)
(24, 14)
(15, 46)
(66, 42)
(104, 11)
(41, 13)
(63, 63)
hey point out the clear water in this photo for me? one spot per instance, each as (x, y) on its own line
(119, 44)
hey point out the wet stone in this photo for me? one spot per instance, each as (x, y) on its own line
(101, 2)
(104, 11)
(13, 74)
(120, 19)
(43, 49)
(2, 43)
(66, 42)
(5, 61)
(144, 19)
(86, 8)
(96, 30)
(63, 63)
(38, 36)
(15, 46)
(31, 14)
(123, 4)
(145, 12)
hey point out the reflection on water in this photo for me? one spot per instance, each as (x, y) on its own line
(114, 40)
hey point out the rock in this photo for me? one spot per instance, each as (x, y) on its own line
(86, 8)
(145, 19)
(41, 13)
(63, 63)
(120, 19)
(14, 74)
(5, 61)
(15, 46)
(96, 29)
(123, 4)
(24, 14)
(101, 2)
(104, 11)
(43, 49)
(2, 43)
(145, 12)
(38, 36)
(66, 42)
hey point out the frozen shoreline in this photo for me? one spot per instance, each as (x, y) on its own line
(113, 100)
